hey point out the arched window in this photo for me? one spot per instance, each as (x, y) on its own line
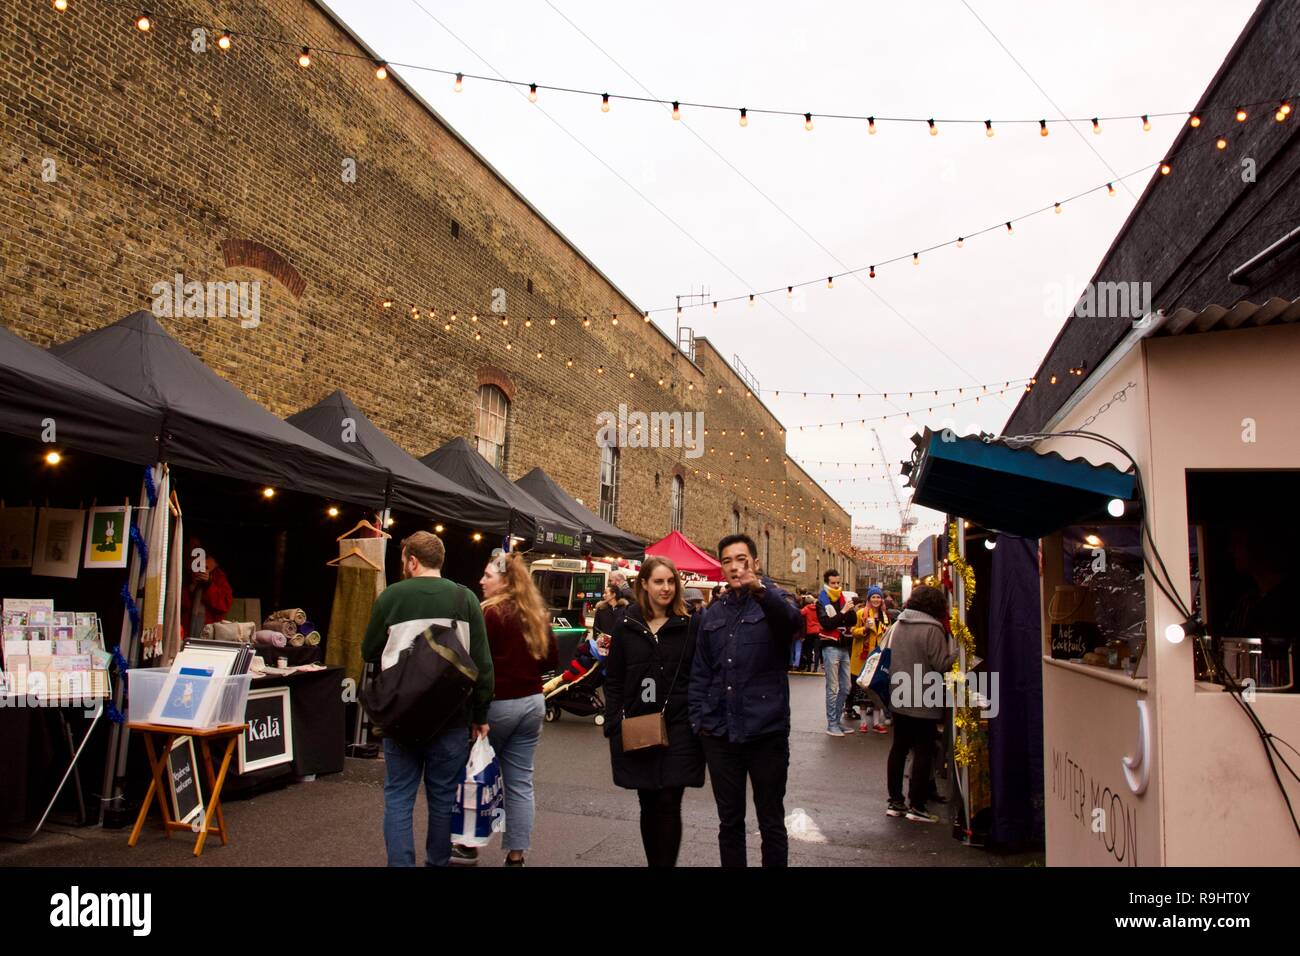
(767, 552)
(609, 483)
(679, 503)
(493, 425)
(735, 520)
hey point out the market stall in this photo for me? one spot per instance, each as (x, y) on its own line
(694, 563)
(605, 538)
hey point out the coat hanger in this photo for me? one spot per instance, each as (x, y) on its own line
(354, 553)
(363, 523)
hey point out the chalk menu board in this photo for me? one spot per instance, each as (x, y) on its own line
(183, 775)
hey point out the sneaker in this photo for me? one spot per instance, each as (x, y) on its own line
(513, 862)
(895, 808)
(464, 855)
(922, 815)
(852, 714)
(863, 729)
(879, 729)
(845, 730)
(835, 731)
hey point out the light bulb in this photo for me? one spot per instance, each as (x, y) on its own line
(60, 5)
(916, 258)
(1042, 127)
(473, 316)
(677, 110)
(460, 82)
(381, 72)
(552, 322)
(604, 103)
(1165, 169)
(532, 92)
(988, 128)
(1194, 122)
(1146, 123)
(871, 125)
(389, 522)
(751, 300)
(1284, 108)
(1221, 143)
(807, 122)
(1010, 231)
(53, 458)
(304, 58)
(646, 317)
(1058, 208)
(934, 130)
(268, 492)
(744, 116)
(438, 529)
(225, 40)
(143, 23)
(830, 282)
(1174, 634)
(1115, 507)
(1096, 125)
(1110, 188)
(789, 292)
(332, 512)
(1092, 540)
(1241, 115)
(990, 543)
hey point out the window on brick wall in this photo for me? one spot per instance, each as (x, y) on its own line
(767, 551)
(609, 483)
(735, 521)
(493, 429)
(679, 503)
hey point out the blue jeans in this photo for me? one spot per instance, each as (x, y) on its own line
(441, 763)
(836, 662)
(516, 728)
(796, 645)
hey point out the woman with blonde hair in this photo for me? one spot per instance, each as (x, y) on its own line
(646, 675)
(519, 634)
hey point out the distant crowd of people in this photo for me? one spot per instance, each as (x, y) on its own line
(693, 680)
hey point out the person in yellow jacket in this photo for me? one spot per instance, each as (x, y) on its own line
(873, 621)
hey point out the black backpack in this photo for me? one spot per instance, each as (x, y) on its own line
(426, 689)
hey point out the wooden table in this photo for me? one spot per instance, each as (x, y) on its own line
(159, 789)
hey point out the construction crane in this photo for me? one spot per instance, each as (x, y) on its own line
(906, 522)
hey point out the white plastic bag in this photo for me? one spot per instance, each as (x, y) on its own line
(480, 798)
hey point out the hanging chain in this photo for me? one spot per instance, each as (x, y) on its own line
(1120, 396)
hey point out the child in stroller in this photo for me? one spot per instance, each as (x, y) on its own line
(577, 688)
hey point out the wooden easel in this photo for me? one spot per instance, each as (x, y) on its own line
(158, 788)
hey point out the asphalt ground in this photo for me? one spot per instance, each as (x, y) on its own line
(835, 806)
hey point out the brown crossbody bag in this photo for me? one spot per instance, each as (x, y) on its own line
(650, 730)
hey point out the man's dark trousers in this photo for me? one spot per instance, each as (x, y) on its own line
(765, 761)
(915, 735)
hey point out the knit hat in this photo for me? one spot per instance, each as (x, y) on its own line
(874, 590)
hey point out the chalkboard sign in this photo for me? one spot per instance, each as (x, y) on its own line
(183, 775)
(588, 587)
(268, 740)
(1074, 640)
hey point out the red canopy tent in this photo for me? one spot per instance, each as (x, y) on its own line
(679, 549)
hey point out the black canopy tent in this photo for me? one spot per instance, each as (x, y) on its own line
(36, 388)
(540, 528)
(208, 424)
(338, 422)
(606, 538)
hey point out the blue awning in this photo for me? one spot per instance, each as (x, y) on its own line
(1016, 490)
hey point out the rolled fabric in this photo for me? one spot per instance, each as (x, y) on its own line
(287, 628)
(295, 614)
(236, 632)
(267, 638)
(312, 637)
(306, 627)
(298, 640)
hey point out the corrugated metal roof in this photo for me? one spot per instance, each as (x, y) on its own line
(1216, 318)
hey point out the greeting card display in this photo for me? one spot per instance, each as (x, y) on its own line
(106, 542)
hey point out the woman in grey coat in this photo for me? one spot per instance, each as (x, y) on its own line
(920, 654)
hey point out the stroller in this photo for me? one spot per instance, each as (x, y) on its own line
(576, 689)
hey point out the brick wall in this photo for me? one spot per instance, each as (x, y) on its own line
(223, 164)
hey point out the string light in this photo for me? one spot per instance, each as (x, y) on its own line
(528, 322)
(871, 125)
(438, 529)
(586, 322)
(568, 363)
(268, 492)
(934, 130)
(1221, 143)
(1058, 208)
(532, 92)
(381, 72)
(916, 258)
(60, 5)
(830, 284)
(476, 536)
(332, 511)
(961, 241)
(1146, 123)
(1010, 231)
(387, 303)
(807, 122)
(677, 110)
(871, 274)
(604, 102)
(53, 457)
(1096, 126)
(473, 316)
(1165, 169)
(1042, 127)
(225, 40)
(744, 117)
(1110, 188)
(1241, 115)
(459, 84)
(646, 317)
(304, 58)
(988, 128)
(552, 322)
(1194, 122)
(1283, 112)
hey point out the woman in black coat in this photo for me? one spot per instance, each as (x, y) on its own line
(647, 672)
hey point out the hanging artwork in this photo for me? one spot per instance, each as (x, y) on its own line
(106, 544)
(58, 542)
(17, 530)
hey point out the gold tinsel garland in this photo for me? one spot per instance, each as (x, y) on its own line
(967, 717)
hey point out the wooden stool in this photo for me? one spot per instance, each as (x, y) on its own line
(158, 788)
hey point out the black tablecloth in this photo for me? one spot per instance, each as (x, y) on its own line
(319, 728)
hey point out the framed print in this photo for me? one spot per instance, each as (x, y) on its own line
(268, 741)
(183, 780)
(17, 533)
(183, 701)
(106, 541)
(58, 542)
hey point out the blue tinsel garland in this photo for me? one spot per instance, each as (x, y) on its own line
(138, 538)
(149, 488)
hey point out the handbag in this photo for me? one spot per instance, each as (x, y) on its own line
(426, 688)
(649, 730)
(875, 672)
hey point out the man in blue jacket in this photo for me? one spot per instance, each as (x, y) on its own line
(740, 700)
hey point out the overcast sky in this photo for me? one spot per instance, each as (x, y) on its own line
(664, 207)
